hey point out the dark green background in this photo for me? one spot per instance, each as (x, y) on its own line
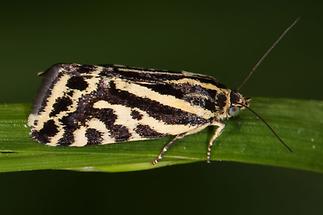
(214, 37)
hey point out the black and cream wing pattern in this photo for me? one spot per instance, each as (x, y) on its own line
(81, 105)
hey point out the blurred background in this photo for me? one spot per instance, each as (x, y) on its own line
(224, 39)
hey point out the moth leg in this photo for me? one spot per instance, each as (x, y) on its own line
(217, 133)
(169, 144)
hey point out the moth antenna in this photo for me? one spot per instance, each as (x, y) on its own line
(270, 128)
(266, 53)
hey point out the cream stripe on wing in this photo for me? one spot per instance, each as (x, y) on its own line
(79, 137)
(125, 119)
(194, 82)
(148, 72)
(167, 100)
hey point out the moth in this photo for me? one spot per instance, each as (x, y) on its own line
(81, 105)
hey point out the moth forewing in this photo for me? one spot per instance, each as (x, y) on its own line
(80, 105)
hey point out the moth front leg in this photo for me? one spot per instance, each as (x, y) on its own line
(179, 136)
(217, 133)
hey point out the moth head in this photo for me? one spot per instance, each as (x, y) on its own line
(237, 103)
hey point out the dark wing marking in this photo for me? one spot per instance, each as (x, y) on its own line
(50, 77)
(136, 73)
(79, 77)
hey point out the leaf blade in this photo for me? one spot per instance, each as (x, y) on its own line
(245, 139)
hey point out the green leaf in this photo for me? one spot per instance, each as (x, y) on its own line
(245, 139)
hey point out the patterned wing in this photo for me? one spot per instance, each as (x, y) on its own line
(86, 104)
